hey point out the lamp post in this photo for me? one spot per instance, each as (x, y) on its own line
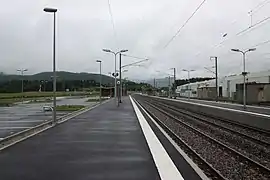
(169, 87)
(22, 71)
(53, 10)
(216, 74)
(244, 73)
(100, 91)
(188, 71)
(174, 79)
(115, 55)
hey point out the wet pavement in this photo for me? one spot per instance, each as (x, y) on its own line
(104, 143)
(23, 116)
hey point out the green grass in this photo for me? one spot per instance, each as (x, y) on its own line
(96, 99)
(42, 94)
(69, 107)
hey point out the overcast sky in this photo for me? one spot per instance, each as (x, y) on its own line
(143, 27)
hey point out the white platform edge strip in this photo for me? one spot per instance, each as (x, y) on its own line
(184, 155)
(217, 107)
(227, 103)
(164, 164)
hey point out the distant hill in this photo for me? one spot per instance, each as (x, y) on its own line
(61, 75)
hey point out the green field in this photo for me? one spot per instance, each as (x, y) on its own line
(40, 94)
(96, 99)
(69, 107)
(8, 99)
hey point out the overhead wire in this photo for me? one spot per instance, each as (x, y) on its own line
(186, 22)
(135, 57)
(112, 21)
(253, 27)
(259, 6)
(261, 43)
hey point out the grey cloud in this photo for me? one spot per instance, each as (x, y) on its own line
(142, 27)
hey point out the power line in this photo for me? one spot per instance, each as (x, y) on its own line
(112, 21)
(135, 57)
(259, 6)
(253, 26)
(179, 30)
(261, 43)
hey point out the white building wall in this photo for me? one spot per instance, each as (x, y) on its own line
(184, 89)
(228, 83)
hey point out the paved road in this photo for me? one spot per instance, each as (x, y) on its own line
(103, 144)
(23, 116)
(255, 109)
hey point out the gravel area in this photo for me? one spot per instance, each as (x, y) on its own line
(247, 147)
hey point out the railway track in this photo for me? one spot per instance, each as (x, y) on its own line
(197, 158)
(231, 163)
(256, 149)
(250, 132)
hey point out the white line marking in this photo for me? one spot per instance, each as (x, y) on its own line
(22, 121)
(164, 164)
(4, 128)
(227, 103)
(217, 107)
(185, 156)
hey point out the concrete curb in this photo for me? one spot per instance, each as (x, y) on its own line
(23, 135)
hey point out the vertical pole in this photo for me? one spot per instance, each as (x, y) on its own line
(22, 83)
(154, 86)
(244, 75)
(44, 86)
(120, 75)
(188, 85)
(54, 72)
(169, 89)
(115, 89)
(216, 67)
(100, 90)
(174, 85)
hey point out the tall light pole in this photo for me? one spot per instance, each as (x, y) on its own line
(22, 71)
(174, 79)
(169, 86)
(189, 88)
(216, 74)
(244, 73)
(115, 55)
(100, 91)
(53, 10)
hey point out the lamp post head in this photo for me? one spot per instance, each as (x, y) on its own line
(106, 50)
(184, 70)
(235, 50)
(99, 61)
(252, 49)
(124, 50)
(50, 10)
(22, 70)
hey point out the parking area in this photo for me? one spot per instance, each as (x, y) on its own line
(23, 116)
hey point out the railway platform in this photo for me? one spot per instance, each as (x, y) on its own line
(107, 142)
